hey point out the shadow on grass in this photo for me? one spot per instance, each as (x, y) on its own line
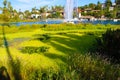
(55, 56)
(72, 43)
(15, 66)
(4, 74)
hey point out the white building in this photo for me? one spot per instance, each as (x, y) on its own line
(111, 8)
(35, 16)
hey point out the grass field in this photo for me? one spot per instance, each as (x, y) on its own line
(63, 41)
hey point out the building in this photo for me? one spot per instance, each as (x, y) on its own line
(35, 16)
(87, 10)
(111, 8)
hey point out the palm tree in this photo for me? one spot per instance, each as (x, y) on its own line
(27, 14)
(34, 10)
(43, 9)
(5, 3)
(10, 9)
(98, 6)
(108, 3)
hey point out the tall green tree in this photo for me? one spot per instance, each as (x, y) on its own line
(5, 3)
(92, 6)
(98, 6)
(27, 14)
(43, 9)
(108, 3)
(107, 13)
(10, 8)
(34, 10)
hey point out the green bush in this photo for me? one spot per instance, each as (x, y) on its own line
(86, 67)
(42, 37)
(109, 44)
(31, 50)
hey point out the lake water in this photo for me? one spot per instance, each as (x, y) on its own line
(61, 21)
(103, 22)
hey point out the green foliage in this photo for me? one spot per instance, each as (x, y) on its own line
(87, 67)
(55, 15)
(109, 44)
(36, 26)
(44, 75)
(108, 3)
(15, 29)
(118, 8)
(56, 27)
(81, 26)
(42, 37)
(31, 50)
(51, 63)
(5, 3)
(79, 67)
(102, 10)
(108, 14)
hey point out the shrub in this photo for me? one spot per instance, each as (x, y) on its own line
(31, 50)
(42, 37)
(87, 67)
(109, 44)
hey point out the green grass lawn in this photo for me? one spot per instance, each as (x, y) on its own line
(62, 43)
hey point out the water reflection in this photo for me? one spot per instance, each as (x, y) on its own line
(61, 21)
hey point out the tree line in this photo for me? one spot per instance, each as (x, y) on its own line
(107, 9)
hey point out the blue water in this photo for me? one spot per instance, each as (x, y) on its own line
(103, 22)
(61, 21)
(40, 22)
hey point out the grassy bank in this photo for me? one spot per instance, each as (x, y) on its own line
(66, 56)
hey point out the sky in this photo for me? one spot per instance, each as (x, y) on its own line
(29, 4)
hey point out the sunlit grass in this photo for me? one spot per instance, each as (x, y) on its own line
(65, 39)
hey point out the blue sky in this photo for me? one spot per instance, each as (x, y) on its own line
(29, 4)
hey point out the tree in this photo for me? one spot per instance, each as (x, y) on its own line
(98, 6)
(117, 2)
(56, 15)
(10, 8)
(108, 3)
(6, 11)
(5, 3)
(43, 9)
(92, 6)
(57, 8)
(27, 14)
(34, 10)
